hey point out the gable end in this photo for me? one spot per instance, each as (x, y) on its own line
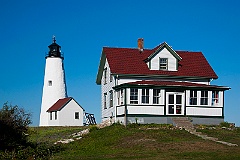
(101, 68)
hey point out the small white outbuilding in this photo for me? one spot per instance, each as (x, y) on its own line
(65, 112)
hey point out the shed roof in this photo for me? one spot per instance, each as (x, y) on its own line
(60, 104)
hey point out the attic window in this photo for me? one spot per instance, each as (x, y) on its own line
(163, 63)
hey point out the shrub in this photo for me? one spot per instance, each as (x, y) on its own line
(14, 123)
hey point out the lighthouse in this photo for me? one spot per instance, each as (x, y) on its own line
(54, 87)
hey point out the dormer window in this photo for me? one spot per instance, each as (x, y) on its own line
(163, 63)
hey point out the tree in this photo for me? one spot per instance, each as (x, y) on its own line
(14, 123)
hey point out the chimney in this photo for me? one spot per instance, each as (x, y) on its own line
(140, 44)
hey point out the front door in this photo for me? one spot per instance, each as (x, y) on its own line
(174, 103)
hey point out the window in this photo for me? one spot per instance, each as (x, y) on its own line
(215, 97)
(50, 83)
(163, 63)
(156, 96)
(145, 96)
(204, 98)
(111, 98)
(105, 100)
(50, 115)
(55, 114)
(111, 77)
(133, 96)
(118, 98)
(105, 76)
(76, 115)
(193, 97)
(122, 96)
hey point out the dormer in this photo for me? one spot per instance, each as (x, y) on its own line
(163, 58)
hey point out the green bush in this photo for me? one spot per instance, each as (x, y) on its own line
(14, 123)
(33, 151)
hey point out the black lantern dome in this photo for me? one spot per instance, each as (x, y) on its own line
(54, 49)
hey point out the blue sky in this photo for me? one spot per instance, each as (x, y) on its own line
(82, 28)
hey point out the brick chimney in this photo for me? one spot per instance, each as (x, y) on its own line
(140, 44)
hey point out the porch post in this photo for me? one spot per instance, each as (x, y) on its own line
(125, 104)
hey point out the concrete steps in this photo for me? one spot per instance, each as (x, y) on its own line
(183, 122)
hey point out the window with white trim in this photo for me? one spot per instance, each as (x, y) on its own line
(50, 115)
(193, 97)
(163, 63)
(105, 101)
(156, 96)
(55, 115)
(122, 96)
(111, 98)
(49, 83)
(204, 98)
(145, 96)
(76, 115)
(118, 98)
(111, 77)
(105, 76)
(133, 96)
(215, 97)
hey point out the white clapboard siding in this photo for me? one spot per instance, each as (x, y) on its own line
(151, 110)
(164, 53)
(197, 111)
(106, 88)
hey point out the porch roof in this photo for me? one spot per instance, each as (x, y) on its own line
(170, 84)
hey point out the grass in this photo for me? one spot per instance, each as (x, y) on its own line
(140, 142)
(51, 134)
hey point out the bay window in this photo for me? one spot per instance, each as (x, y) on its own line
(133, 96)
(156, 96)
(145, 96)
(193, 97)
(204, 98)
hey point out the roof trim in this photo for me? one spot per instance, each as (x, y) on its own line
(55, 106)
(161, 76)
(101, 68)
(167, 84)
(161, 47)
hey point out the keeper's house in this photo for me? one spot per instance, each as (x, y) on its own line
(156, 85)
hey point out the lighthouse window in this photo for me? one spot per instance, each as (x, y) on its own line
(49, 83)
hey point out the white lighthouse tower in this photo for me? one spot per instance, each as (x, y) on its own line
(54, 87)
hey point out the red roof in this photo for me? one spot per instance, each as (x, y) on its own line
(131, 61)
(59, 104)
(176, 84)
